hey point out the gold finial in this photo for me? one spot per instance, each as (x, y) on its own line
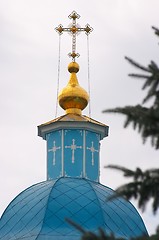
(74, 29)
(73, 98)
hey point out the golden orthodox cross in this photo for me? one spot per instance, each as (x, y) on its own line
(74, 29)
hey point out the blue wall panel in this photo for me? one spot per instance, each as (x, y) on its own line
(54, 154)
(73, 152)
(92, 155)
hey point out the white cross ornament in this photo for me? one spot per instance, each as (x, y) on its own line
(93, 150)
(54, 149)
(73, 147)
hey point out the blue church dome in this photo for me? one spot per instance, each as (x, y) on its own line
(40, 212)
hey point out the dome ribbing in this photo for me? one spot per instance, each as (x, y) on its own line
(40, 211)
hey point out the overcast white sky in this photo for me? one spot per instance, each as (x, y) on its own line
(28, 82)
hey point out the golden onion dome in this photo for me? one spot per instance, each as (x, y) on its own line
(73, 98)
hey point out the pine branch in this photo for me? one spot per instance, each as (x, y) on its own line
(145, 186)
(145, 120)
(138, 75)
(137, 65)
(151, 81)
(101, 235)
(156, 30)
(75, 225)
(87, 235)
(138, 174)
(126, 171)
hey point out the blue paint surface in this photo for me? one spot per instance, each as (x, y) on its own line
(92, 156)
(73, 153)
(54, 155)
(40, 211)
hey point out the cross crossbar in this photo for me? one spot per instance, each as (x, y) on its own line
(74, 29)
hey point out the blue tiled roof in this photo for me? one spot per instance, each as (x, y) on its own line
(39, 212)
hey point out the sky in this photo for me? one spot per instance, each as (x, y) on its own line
(29, 75)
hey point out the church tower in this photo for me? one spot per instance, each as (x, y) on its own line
(72, 189)
(73, 140)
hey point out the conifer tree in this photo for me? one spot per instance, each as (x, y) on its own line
(145, 184)
(145, 119)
